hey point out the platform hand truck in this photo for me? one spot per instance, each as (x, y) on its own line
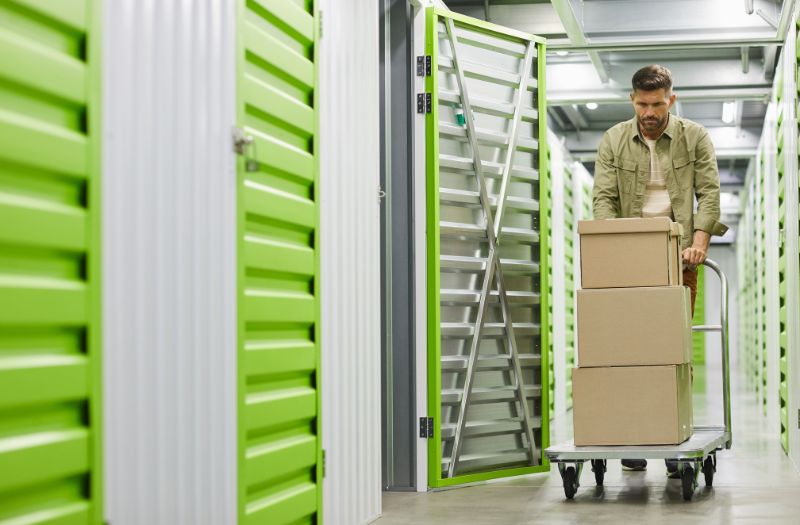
(698, 453)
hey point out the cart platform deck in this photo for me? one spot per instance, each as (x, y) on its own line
(703, 442)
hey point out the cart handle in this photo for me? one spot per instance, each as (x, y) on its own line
(722, 328)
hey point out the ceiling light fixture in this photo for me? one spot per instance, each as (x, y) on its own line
(562, 53)
(728, 112)
(591, 105)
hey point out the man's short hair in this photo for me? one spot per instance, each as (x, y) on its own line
(651, 78)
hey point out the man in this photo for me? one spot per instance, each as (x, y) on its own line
(653, 166)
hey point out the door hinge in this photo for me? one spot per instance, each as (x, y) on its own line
(424, 66)
(423, 103)
(426, 427)
(319, 21)
(324, 465)
(381, 194)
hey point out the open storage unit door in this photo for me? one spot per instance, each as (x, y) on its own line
(486, 248)
(280, 467)
(50, 461)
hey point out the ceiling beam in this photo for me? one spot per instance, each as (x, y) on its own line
(575, 117)
(576, 35)
(553, 113)
(727, 143)
(622, 96)
(655, 45)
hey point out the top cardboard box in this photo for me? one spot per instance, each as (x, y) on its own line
(626, 253)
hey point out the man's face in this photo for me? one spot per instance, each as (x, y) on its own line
(652, 108)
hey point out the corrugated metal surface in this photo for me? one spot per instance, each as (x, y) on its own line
(170, 275)
(349, 180)
(49, 251)
(279, 448)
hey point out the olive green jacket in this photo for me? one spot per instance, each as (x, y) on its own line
(686, 155)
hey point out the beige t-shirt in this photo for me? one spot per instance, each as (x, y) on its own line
(656, 198)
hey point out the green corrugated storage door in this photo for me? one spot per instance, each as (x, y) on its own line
(279, 432)
(49, 293)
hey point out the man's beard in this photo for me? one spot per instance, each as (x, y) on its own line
(653, 124)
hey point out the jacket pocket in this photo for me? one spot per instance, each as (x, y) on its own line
(626, 174)
(683, 167)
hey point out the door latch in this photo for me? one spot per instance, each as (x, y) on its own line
(241, 143)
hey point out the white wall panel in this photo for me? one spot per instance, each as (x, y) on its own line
(169, 194)
(350, 252)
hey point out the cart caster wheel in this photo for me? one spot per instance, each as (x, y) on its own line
(570, 482)
(687, 482)
(709, 467)
(599, 469)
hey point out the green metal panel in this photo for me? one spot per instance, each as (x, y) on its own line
(50, 439)
(481, 36)
(280, 467)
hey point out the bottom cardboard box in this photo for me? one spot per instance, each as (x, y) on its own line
(632, 405)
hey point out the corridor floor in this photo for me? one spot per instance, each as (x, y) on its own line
(755, 483)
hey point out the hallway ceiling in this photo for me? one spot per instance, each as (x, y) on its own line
(717, 51)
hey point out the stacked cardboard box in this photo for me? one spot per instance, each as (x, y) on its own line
(633, 381)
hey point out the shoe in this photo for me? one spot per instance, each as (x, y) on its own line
(634, 464)
(672, 469)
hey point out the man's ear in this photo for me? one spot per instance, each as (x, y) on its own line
(672, 99)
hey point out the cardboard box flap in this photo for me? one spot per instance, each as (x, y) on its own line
(655, 224)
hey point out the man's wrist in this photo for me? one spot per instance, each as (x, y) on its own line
(701, 240)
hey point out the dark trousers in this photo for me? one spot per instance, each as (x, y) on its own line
(690, 281)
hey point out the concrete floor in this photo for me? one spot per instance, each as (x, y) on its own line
(755, 483)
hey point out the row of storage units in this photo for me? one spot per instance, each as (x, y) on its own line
(570, 194)
(769, 270)
(161, 174)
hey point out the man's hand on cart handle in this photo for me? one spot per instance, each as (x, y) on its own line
(697, 252)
